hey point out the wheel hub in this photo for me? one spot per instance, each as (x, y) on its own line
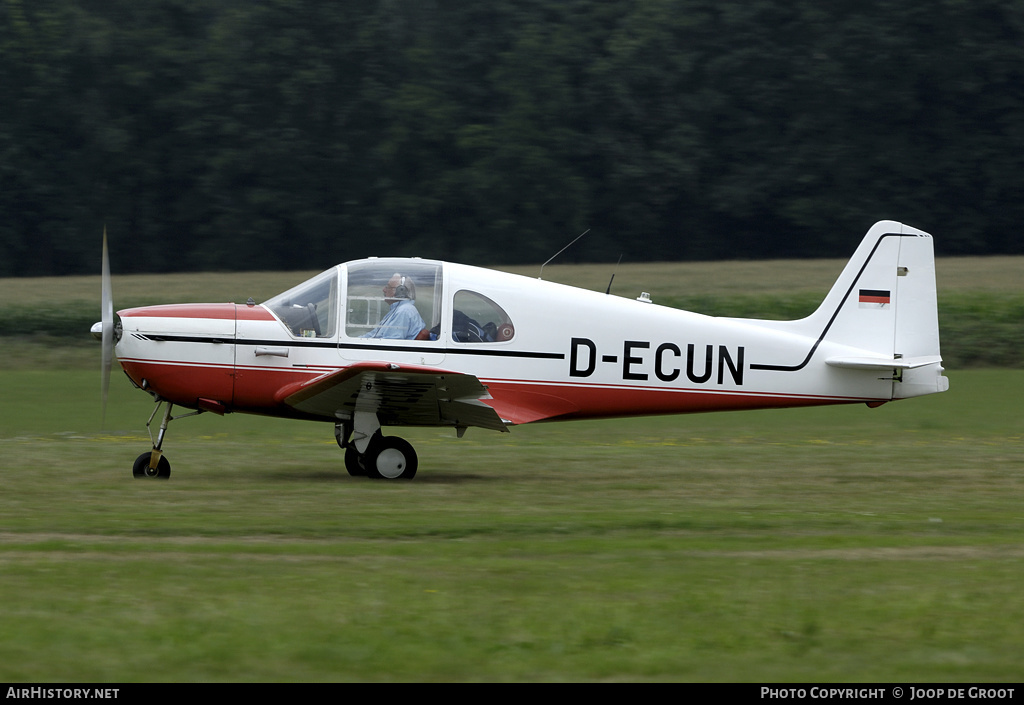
(391, 463)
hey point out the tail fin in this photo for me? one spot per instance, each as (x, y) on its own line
(882, 313)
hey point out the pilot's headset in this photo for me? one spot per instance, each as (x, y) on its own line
(402, 291)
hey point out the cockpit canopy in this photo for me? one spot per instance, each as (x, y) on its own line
(371, 289)
(367, 302)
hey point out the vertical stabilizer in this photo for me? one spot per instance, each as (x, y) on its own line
(884, 309)
(881, 315)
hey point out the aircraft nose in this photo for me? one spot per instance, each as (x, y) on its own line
(97, 330)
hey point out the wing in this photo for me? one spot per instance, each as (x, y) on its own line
(400, 395)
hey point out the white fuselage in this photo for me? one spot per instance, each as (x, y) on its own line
(566, 352)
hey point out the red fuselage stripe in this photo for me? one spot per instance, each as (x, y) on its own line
(253, 388)
(217, 312)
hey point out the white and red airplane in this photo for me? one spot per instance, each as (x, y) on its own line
(414, 342)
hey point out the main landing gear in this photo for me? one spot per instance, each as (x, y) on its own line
(368, 453)
(153, 463)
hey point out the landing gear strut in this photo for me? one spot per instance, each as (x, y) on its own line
(371, 454)
(153, 463)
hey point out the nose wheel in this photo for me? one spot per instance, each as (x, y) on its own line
(144, 465)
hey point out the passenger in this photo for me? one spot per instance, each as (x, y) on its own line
(402, 321)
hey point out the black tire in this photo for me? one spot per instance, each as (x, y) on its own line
(142, 469)
(390, 458)
(354, 463)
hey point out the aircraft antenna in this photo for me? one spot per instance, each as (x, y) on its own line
(561, 251)
(609, 289)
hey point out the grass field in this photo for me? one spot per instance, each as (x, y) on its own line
(836, 544)
(843, 544)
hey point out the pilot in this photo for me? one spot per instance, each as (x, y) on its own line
(402, 321)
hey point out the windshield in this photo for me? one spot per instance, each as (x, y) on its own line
(310, 309)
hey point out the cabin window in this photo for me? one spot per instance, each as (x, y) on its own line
(477, 319)
(393, 300)
(310, 309)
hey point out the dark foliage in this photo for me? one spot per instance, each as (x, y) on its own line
(222, 134)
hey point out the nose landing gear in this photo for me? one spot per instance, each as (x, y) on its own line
(153, 463)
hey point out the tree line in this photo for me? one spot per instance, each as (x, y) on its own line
(285, 134)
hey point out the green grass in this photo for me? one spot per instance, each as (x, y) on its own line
(839, 544)
(836, 544)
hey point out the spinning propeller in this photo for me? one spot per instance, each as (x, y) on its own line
(104, 330)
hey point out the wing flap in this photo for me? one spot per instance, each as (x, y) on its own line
(472, 412)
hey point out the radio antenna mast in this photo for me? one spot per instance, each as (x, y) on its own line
(561, 251)
(609, 289)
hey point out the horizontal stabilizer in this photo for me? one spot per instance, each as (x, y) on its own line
(883, 363)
